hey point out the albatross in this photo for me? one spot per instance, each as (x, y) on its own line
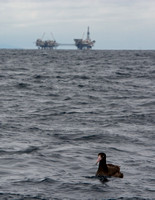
(105, 169)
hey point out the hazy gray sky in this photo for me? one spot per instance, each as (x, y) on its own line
(114, 24)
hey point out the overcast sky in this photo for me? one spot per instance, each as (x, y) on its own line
(114, 24)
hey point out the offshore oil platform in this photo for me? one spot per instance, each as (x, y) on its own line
(79, 43)
(46, 44)
(84, 44)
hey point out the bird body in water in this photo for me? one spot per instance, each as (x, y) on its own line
(105, 169)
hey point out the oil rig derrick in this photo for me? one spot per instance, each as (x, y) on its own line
(46, 44)
(84, 44)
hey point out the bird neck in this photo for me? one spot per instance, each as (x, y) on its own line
(103, 165)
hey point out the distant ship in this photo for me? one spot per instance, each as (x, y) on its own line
(84, 44)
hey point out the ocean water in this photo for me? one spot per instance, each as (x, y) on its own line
(60, 108)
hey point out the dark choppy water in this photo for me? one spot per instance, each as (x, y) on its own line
(59, 109)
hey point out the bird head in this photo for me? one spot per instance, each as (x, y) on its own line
(101, 156)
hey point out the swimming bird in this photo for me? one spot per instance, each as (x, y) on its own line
(107, 169)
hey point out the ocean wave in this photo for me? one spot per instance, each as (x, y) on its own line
(28, 150)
